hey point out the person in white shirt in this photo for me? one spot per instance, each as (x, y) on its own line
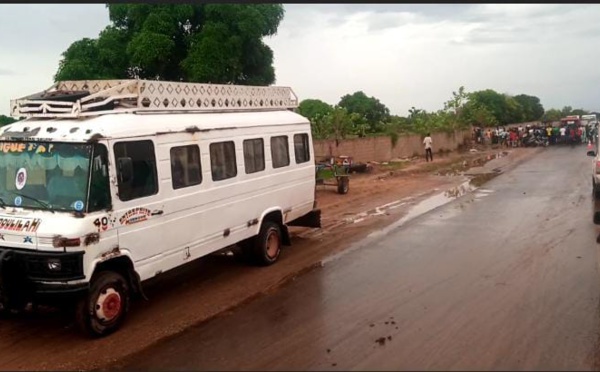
(427, 142)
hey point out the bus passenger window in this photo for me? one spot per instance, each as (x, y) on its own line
(222, 160)
(301, 148)
(185, 166)
(280, 154)
(254, 155)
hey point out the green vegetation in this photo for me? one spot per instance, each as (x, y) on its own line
(5, 120)
(208, 43)
(358, 115)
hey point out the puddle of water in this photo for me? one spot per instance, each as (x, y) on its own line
(481, 161)
(475, 163)
(479, 180)
(427, 205)
(377, 211)
(421, 208)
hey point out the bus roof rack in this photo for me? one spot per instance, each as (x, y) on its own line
(80, 98)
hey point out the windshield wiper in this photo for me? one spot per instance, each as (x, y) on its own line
(43, 204)
(2, 203)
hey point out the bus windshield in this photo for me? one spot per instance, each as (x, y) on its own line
(44, 175)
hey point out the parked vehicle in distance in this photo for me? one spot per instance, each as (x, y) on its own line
(107, 184)
(595, 167)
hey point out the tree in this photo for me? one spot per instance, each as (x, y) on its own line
(359, 124)
(320, 128)
(339, 122)
(494, 103)
(370, 108)
(531, 107)
(456, 104)
(579, 112)
(504, 108)
(512, 111)
(314, 108)
(482, 116)
(210, 43)
(5, 120)
(553, 115)
(566, 111)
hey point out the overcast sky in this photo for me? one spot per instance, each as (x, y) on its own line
(405, 55)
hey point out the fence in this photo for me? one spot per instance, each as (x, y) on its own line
(381, 149)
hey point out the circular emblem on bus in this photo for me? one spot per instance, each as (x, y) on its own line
(18, 201)
(21, 178)
(78, 205)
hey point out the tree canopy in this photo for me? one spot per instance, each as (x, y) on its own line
(531, 107)
(313, 109)
(371, 109)
(359, 115)
(209, 43)
(5, 120)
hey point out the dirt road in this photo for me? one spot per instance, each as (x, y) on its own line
(217, 284)
(503, 279)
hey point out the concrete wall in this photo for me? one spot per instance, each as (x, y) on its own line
(380, 148)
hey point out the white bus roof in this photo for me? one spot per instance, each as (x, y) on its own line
(136, 125)
(85, 109)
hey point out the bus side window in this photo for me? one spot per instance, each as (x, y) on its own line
(185, 166)
(301, 148)
(280, 154)
(254, 155)
(145, 180)
(99, 198)
(223, 164)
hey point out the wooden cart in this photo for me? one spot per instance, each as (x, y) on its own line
(336, 173)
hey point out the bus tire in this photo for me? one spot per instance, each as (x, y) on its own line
(267, 245)
(102, 311)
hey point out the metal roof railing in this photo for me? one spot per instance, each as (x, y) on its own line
(81, 98)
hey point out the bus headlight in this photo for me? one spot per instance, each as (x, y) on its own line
(54, 264)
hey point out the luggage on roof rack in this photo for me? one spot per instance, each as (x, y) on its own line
(78, 98)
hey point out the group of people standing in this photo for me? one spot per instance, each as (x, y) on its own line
(530, 135)
(523, 136)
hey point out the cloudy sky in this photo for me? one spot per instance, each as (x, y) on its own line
(405, 55)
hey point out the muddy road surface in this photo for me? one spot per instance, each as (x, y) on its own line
(505, 278)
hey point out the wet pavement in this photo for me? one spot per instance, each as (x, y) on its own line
(502, 278)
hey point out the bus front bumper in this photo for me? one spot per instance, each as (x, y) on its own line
(27, 275)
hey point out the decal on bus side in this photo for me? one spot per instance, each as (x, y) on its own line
(135, 215)
(101, 223)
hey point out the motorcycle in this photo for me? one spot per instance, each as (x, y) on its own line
(535, 141)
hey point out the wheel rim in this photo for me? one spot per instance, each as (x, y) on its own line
(272, 244)
(108, 305)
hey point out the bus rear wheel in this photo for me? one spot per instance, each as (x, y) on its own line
(265, 248)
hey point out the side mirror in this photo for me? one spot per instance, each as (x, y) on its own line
(125, 170)
(591, 153)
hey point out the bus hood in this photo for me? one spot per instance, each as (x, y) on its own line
(38, 229)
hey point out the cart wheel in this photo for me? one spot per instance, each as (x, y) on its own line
(343, 185)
